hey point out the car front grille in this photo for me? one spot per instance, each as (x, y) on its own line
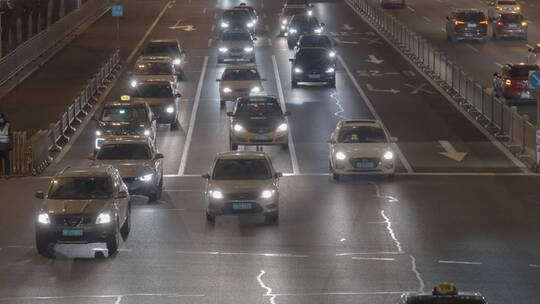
(73, 220)
(241, 196)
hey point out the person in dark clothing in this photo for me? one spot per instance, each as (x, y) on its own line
(6, 143)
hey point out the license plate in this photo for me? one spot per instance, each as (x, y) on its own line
(512, 26)
(314, 76)
(471, 25)
(72, 232)
(261, 137)
(364, 165)
(241, 206)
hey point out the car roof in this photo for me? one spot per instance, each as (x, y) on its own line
(295, 6)
(360, 122)
(92, 171)
(313, 48)
(523, 65)
(133, 139)
(462, 297)
(241, 155)
(175, 41)
(257, 98)
(153, 81)
(236, 31)
(467, 10)
(241, 67)
(115, 104)
(143, 59)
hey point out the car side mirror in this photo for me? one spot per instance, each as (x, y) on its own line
(291, 59)
(218, 80)
(177, 95)
(206, 176)
(254, 38)
(495, 74)
(40, 195)
(287, 113)
(158, 156)
(323, 24)
(91, 156)
(122, 194)
(394, 139)
(530, 50)
(278, 175)
(230, 114)
(331, 140)
(264, 79)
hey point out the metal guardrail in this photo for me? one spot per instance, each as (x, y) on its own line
(34, 47)
(492, 112)
(32, 156)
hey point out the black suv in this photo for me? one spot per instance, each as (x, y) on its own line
(468, 24)
(90, 205)
(313, 65)
(322, 41)
(302, 25)
(237, 19)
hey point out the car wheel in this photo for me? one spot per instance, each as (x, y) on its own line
(42, 245)
(126, 228)
(210, 218)
(114, 240)
(222, 104)
(271, 218)
(285, 146)
(155, 196)
(294, 84)
(336, 176)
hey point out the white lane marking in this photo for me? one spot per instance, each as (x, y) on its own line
(215, 14)
(472, 48)
(268, 289)
(410, 8)
(264, 15)
(270, 41)
(391, 231)
(426, 18)
(417, 274)
(125, 250)
(189, 137)
(373, 259)
(21, 246)
(292, 149)
(159, 210)
(351, 293)
(494, 141)
(443, 29)
(118, 300)
(340, 111)
(210, 42)
(213, 28)
(498, 64)
(460, 262)
(199, 252)
(534, 265)
(375, 115)
(262, 5)
(529, 46)
(204, 10)
(273, 255)
(100, 296)
(150, 29)
(368, 253)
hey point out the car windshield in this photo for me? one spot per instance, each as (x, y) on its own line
(236, 36)
(123, 151)
(160, 48)
(521, 71)
(241, 169)
(80, 188)
(124, 114)
(315, 41)
(152, 68)
(304, 22)
(258, 108)
(444, 300)
(507, 3)
(240, 74)
(471, 16)
(236, 15)
(150, 90)
(361, 134)
(316, 56)
(512, 18)
(291, 11)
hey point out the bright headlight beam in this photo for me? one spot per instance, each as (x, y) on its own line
(103, 218)
(248, 49)
(238, 128)
(44, 218)
(216, 194)
(388, 155)
(227, 90)
(282, 127)
(267, 194)
(340, 155)
(170, 109)
(297, 70)
(146, 177)
(223, 50)
(255, 90)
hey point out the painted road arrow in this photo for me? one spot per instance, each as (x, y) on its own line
(373, 59)
(451, 152)
(347, 27)
(372, 89)
(337, 40)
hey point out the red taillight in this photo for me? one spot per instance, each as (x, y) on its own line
(508, 82)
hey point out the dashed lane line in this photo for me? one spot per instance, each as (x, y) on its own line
(472, 48)
(459, 262)
(373, 259)
(426, 18)
(113, 296)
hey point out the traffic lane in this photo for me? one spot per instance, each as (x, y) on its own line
(412, 109)
(51, 89)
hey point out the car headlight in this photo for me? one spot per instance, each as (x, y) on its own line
(310, 12)
(330, 70)
(318, 30)
(292, 31)
(133, 83)
(248, 49)
(227, 90)
(388, 155)
(251, 24)
(255, 90)
(518, 8)
(223, 50)
(267, 193)
(238, 128)
(146, 177)
(298, 71)
(43, 218)
(224, 24)
(282, 127)
(284, 22)
(103, 218)
(98, 133)
(170, 109)
(216, 194)
(146, 132)
(340, 156)
(177, 61)
(332, 54)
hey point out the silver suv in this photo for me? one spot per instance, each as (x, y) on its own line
(236, 45)
(139, 163)
(242, 182)
(88, 205)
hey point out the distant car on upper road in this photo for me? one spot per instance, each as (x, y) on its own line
(239, 81)
(288, 11)
(495, 8)
(166, 48)
(242, 182)
(392, 3)
(510, 25)
(236, 45)
(85, 205)
(302, 25)
(258, 120)
(512, 82)
(313, 64)
(237, 19)
(361, 147)
(443, 293)
(466, 24)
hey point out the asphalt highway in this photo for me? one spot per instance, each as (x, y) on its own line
(461, 209)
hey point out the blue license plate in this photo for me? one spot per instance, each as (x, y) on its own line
(72, 232)
(364, 165)
(314, 76)
(241, 206)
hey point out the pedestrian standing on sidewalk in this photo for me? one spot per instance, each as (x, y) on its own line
(6, 144)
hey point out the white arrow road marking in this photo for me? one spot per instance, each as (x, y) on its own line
(451, 152)
(176, 24)
(372, 89)
(417, 89)
(373, 59)
(187, 28)
(347, 27)
(337, 40)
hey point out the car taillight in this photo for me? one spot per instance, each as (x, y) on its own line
(508, 82)
(524, 24)
(459, 22)
(500, 23)
(484, 22)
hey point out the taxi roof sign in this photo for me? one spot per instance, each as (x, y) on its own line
(445, 289)
(125, 98)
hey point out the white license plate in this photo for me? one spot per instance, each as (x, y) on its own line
(314, 76)
(72, 232)
(241, 206)
(365, 165)
(513, 26)
(471, 25)
(261, 137)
